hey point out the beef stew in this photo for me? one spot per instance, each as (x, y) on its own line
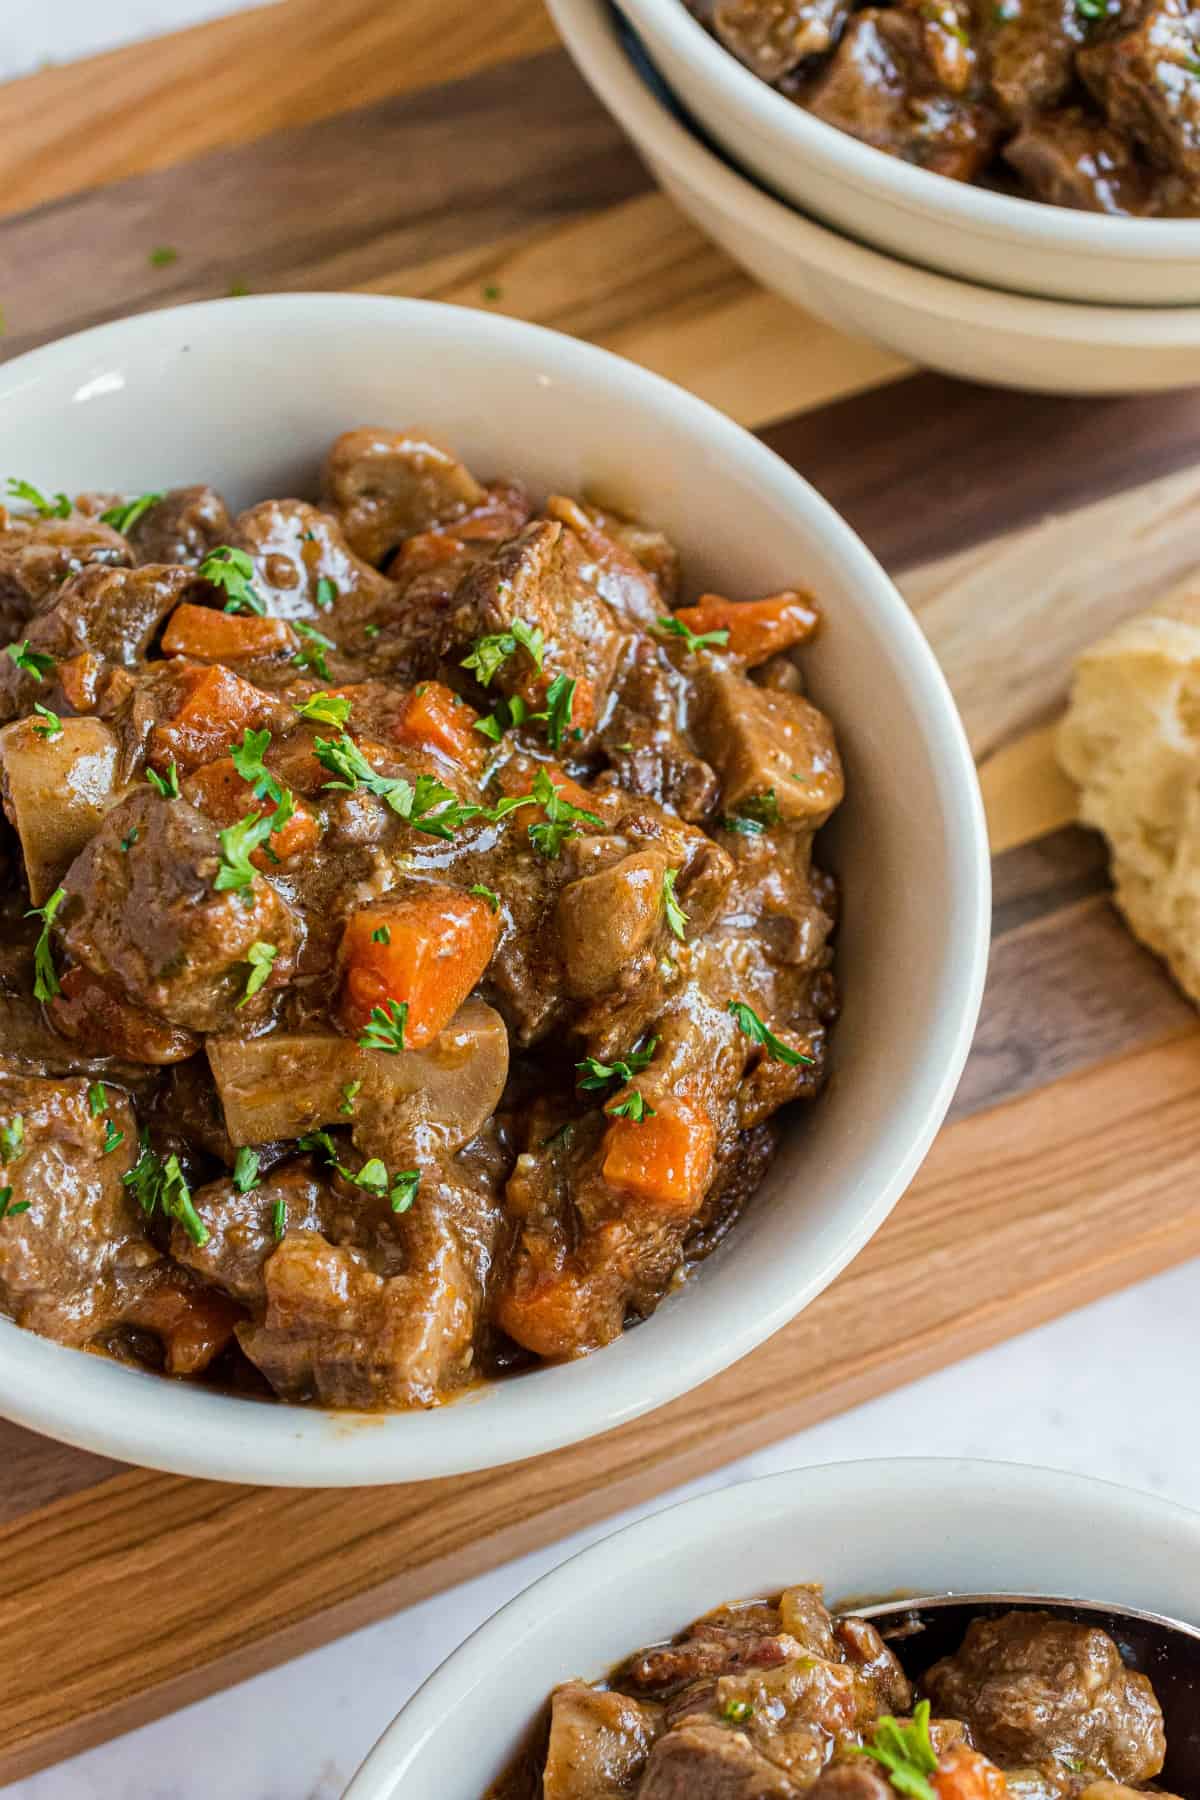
(775, 1699)
(1093, 104)
(410, 926)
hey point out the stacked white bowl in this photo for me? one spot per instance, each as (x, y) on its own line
(977, 283)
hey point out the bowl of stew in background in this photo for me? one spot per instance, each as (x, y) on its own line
(864, 1530)
(956, 226)
(248, 395)
(964, 328)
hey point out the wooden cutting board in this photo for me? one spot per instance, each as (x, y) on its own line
(402, 149)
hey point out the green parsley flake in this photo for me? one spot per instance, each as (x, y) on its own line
(761, 808)
(161, 1185)
(12, 1139)
(327, 709)
(486, 893)
(560, 699)
(311, 654)
(247, 758)
(749, 1022)
(32, 662)
(382, 934)
(906, 1752)
(57, 507)
(326, 593)
(676, 917)
(386, 1028)
(97, 1099)
(124, 517)
(113, 1139)
(737, 1711)
(279, 1220)
(129, 840)
(241, 841)
(167, 785)
(744, 827)
(668, 625)
(504, 716)
(633, 1106)
(231, 570)
(561, 821)
(350, 1094)
(45, 980)
(7, 1209)
(260, 956)
(489, 653)
(49, 725)
(245, 1170)
(623, 1069)
(162, 256)
(429, 806)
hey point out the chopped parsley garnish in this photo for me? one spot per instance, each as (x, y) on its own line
(238, 290)
(97, 1099)
(260, 956)
(486, 893)
(402, 1190)
(737, 1711)
(33, 662)
(312, 1141)
(162, 256)
(764, 808)
(561, 821)
(505, 714)
(749, 1022)
(490, 291)
(245, 1170)
(57, 507)
(7, 1209)
(49, 725)
(326, 709)
(560, 699)
(624, 1068)
(634, 1106)
(350, 1094)
(1092, 9)
(168, 784)
(385, 1030)
(113, 1139)
(12, 1139)
(129, 840)
(156, 1184)
(743, 826)
(562, 1136)
(247, 758)
(906, 1752)
(240, 842)
(372, 630)
(489, 653)
(429, 806)
(311, 654)
(279, 1220)
(668, 625)
(326, 593)
(45, 979)
(123, 518)
(232, 571)
(676, 917)
(373, 1177)
(382, 934)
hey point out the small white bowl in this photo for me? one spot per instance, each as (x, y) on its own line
(1057, 252)
(247, 394)
(979, 333)
(925, 1526)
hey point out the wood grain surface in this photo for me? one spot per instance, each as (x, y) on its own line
(405, 149)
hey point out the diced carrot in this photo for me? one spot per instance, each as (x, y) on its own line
(966, 1775)
(665, 1158)
(757, 628)
(433, 717)
(426, 949)
(547, 1310)
(104, 1023)
(214, 636)
(220, 793)
(213, 709)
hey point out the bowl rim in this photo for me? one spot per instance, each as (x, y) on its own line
(94, 1403)
(645, 1542)
(586, 28)
(1006, 218)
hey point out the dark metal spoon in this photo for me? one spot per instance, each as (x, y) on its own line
(929, 1626)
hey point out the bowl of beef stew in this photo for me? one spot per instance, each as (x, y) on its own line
(1049, 148)
(363, 850)
(593, 1685)
(962, 328)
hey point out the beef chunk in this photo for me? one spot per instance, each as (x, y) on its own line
(642, 735)
(38, 555)
(1070, 159)
(609, 922)
(1032, 1687)
(771, 749)
(339, 1331)
(773, 37)
(65, 1261)
(143, 912)
(862, 1645)
(1147, 79)
(389, 485)
(598, 1743)
(852, 1781)
(1029, 51)
(721, 1644)
(883, 89)
(630, 586)
(304, 568)
(699, 1761)
(182, 527)
(241, 1227)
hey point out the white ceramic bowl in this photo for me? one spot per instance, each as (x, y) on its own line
(989, 237)
(247, 393)
(976, 332)
(861, 1528)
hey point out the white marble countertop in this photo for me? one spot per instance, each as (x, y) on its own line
(1102, 1392)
